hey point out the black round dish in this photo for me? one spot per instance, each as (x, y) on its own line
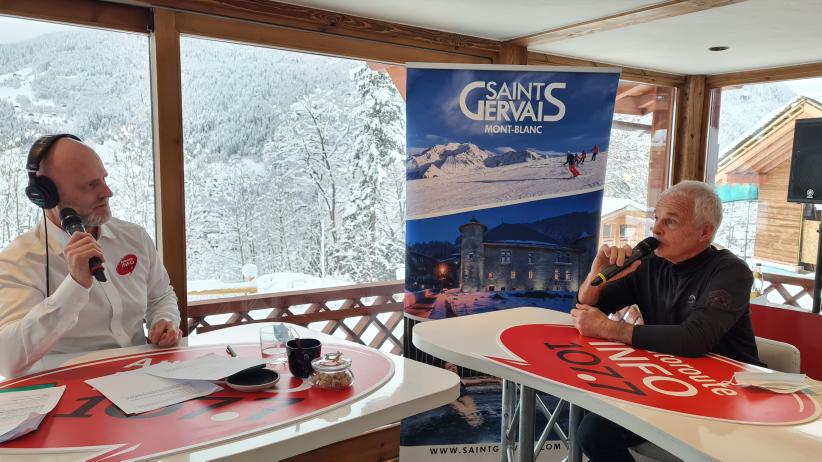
(252, 379)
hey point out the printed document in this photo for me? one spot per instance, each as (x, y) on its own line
(135, 392)
(208, 367)
(22, 411)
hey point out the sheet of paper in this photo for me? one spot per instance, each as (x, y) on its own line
(135, 392)
(208, 367)
(22, 411)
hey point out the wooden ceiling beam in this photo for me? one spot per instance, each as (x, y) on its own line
(632, 89)
(744, 178)
(633, 74)
(801, 71)
(642, 15)
(626, 106)
(327, 22)
(81, 12)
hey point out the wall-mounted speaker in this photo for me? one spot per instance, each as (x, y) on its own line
(805, 184)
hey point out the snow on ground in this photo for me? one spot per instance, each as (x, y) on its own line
(500, 185)
(267, 283)
(18, 83)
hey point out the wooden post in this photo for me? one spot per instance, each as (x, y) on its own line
(512, 54)
(167, 115)
(661, 136)
(689, 153)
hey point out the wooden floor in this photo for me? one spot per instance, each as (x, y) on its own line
(379, 445)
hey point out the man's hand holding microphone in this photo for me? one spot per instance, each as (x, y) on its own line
(611, 263)
(85, 258)
(83, 253)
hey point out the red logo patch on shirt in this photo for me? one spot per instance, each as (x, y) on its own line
(127, 264)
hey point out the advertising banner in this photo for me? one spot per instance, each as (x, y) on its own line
(505, 173)
(700, 386)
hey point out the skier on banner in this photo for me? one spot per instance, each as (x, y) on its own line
(594, 152)
(582, 157)
(571, 161)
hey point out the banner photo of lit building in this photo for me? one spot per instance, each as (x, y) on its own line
(505, 171)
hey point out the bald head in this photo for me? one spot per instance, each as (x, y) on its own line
(80, 177)
(66, 156)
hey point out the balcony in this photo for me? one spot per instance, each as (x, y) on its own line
(369, 314)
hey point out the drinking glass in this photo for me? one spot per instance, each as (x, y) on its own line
(272, 342)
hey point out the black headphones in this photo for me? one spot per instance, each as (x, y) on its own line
(41, 189)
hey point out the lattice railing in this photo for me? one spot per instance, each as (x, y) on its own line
(350, 310)
(777, 282)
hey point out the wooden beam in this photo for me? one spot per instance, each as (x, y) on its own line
(81, 12)
(689, 152)
(338, 24)
(631, 89)
(801, 71)
(628, 73)
(323, 43)
(642, 15)
(395, 71)
(167, 122)
(739, 178)
(512, 54)
(659, 152)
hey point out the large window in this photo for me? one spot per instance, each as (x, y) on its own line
(89, 82)
(749, 159)
(638, 160)
(293, 167)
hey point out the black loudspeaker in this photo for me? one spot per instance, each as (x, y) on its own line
(41, 190)
(805, 184)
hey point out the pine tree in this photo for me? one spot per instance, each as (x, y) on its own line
(373, 243)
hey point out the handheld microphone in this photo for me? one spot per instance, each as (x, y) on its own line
(72, 223)
(644, 248)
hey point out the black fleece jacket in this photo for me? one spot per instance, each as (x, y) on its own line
(697, 306)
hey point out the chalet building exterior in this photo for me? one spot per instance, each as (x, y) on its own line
(783, 236)
(518, 257)
(624, 222)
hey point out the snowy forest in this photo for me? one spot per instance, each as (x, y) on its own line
(293, 162)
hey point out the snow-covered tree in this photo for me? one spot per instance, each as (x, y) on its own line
(318, 132)
(374, 247)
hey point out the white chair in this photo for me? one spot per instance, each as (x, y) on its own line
(779, 356)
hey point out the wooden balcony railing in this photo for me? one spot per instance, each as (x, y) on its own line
(331, 306)
(777, 282)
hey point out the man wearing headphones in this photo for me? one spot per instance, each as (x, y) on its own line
(49, 301)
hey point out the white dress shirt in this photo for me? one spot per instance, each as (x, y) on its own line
(74, 319)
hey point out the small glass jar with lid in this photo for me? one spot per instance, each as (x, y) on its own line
(332, 371)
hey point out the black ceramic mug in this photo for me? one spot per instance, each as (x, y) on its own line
(300, 354)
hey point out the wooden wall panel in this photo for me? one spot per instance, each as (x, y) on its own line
(810, 242)
(380, 445)
(778, 222)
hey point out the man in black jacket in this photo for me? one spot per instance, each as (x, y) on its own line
(693, 299)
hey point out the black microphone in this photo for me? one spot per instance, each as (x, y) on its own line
(72, 223)
(644, 248)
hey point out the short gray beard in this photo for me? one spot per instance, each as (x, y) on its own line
(94, 220)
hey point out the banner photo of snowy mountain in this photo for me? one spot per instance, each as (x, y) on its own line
(505, 171)
(479, 137)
